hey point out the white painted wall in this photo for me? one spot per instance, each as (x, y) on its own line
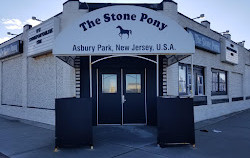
(247, 80)
(12, 81)
(42, 82)
(236, 85)
(216, 110)
(48, 78)
(173, 80)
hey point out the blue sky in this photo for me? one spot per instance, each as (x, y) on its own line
(223, 14)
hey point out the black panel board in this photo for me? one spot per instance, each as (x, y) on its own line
(73, 122)
(134, 107)
(200, 100)
(84, 75)
(175, 118)
(218, 101)
(237, 99)
(109, 107)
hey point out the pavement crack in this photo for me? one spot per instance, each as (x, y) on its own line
(27, 151)
(125, 153)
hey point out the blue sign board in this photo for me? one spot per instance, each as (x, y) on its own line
(11, 49)
(206, 43)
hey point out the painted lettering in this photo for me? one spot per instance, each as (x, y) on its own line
(119, 17)
(161, 26)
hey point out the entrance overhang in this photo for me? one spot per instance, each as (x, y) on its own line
(115, 56)
(123, 30)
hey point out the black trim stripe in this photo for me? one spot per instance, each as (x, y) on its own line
(248, 97)
(12, 105)
(218, 101)
(32, 107)
(232, 50)
(237, 99)
(200, 100)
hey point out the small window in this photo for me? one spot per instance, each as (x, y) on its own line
(189, 85)
(109, 83)
(222, 81)
(200, 85)
(182, 79)
(185, 80)
(219, 82)
(133, 83)
(215, 82)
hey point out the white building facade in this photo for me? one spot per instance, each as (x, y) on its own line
(32, 76)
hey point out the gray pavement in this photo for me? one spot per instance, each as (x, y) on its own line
(24, 139)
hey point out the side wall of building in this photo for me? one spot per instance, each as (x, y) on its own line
(29, 85)
(238, 77)
(47, 78)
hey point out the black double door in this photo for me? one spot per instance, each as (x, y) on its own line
(121, 96)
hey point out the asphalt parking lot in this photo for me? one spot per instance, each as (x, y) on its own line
(224, 137)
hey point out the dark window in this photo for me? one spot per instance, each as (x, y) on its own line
(219, 82)
(109, 83)
(133, 83)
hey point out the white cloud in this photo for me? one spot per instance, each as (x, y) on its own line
(12, 24)
(32, 22)
(4, 39)
(14, 27)
(16, 24)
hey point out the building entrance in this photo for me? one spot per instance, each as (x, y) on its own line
(121, 96)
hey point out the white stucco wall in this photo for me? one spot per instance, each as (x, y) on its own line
(173, 80)
(236, 85)
(12, 81)
(65, 80)
(42, 82)
(247, 80)
(216, 110)
(48, 78)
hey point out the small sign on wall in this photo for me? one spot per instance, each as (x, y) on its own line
(41, 38)
(11, 49)
(205, 42)
(230, 53)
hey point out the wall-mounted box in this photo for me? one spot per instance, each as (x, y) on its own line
(41, 38)
(229, 53)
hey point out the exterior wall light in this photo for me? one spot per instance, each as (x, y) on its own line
(34, 18)
(226, 32)
(12, 34)
(199, 17)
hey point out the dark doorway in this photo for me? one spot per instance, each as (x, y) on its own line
(109, 96)
(121, 96)
(134, 99)
(110, 107)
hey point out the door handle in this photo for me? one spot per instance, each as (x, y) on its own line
(123, 99)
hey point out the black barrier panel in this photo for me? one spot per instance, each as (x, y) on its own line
(175, 118)
(73, 122)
